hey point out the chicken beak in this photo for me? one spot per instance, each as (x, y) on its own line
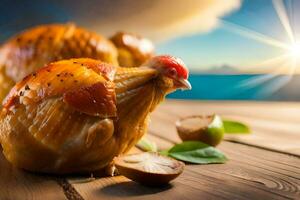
(183, 84)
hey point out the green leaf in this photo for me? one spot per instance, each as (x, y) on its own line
(234, 127)
(164, 152)
(197, 152)
(147, 145)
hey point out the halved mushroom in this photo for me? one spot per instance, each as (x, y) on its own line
(149, 168)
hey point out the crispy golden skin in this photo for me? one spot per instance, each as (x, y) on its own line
(43, 128)
(133, 50)
(35, 47)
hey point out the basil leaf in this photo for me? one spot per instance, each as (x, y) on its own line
(147, 145)
(197, 152)
(234, 127)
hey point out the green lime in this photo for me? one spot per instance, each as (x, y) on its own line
(208, 129)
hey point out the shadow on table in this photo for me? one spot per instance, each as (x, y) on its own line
(128, 189)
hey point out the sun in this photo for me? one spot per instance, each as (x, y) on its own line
(286, 63)
(294, 51)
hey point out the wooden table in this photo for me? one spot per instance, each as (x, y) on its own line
(263, 165)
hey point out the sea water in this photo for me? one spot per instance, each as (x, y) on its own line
(242, 87)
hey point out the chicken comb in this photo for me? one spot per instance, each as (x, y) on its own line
(167, 61)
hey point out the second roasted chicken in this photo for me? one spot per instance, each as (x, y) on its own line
(37, 46)
(77, 115)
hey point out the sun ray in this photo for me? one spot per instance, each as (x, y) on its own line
(270, 77)
(291, 15)
(293, 66)
(283, 17)
(275, 84)
(252, 82)
(253, 34)
(272, 61)
(292, 49)
(281, 80)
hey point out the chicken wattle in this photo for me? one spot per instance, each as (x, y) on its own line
(77, 115)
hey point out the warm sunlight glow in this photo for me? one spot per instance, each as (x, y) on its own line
(287, 63)
(294, 50)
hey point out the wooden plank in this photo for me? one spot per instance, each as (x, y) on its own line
(247, 175)
(265, 157)
(274, 125)
(280, 111)
(121, 188)
(18, 184)
(250, 173)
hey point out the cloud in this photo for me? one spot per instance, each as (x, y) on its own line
(156, 19)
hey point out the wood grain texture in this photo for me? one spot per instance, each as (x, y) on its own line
(261, 172)
(255, 170)
(17, 184)
(275, 125)
(250, 173)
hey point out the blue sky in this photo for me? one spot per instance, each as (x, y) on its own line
(222, 46)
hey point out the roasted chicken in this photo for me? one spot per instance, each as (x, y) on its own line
(26, 52)
(77, 115)
(133, 50)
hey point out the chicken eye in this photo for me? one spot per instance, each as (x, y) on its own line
(172, 72)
